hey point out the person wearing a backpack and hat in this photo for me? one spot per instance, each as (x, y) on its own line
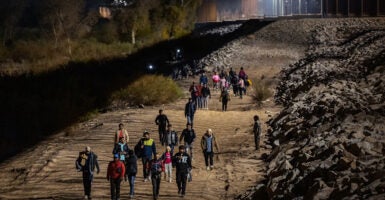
(131, 170)
(115, 174)
(208, 142)
(148, 150)
(86, 163)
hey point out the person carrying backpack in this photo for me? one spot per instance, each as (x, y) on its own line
(115, 174)
(147, 148)
(155, 168)
(131, 170)
(257, 131)
(162, 122)
(86, 163)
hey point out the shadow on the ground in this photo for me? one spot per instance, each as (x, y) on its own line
(36, 106)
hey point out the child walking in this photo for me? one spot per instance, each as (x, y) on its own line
(166, 157)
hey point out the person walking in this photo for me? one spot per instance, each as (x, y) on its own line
(162, 122)
(189, 111)
(131, 170)
(257, 131)
(242, 74)
(203, 79)
(241, 87)
(183, 166)
(121, 149)
(167, 160)
(86, 163)
(206, 95)
(148, 150)
(155, 168)
(208, 142)
(171, 138)
(224, 98)
(188, 136)
(115, 174)
(121, 133)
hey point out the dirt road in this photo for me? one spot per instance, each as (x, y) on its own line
(47, 171)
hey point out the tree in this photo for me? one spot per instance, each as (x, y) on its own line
(135, 18)
(60, 19)
(11, 11)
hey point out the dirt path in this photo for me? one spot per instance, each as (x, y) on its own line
(47, 171)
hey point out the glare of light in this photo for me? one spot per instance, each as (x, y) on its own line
(150, 66)
(178, 50)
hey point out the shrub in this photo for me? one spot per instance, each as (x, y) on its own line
(261, 90)
(149, 90)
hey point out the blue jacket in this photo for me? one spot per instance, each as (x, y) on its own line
(149, 148)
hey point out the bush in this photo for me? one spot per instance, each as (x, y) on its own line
(261, 90)
(149, 90)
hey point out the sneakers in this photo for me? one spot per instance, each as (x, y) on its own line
(170, 180)
(212, 167)
(179, 191)
(208, 168)
(85, 197)
(131, 196)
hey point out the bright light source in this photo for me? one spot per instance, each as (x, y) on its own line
(150, 66)
(178, 50)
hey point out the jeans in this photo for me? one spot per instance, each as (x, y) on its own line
(181, 179)
(190, 120)
(155, 180)
(131, 180)
(208, 155)
(205, 102)
(189, 148)
(224, 105)
(87, 182)
(145, 160)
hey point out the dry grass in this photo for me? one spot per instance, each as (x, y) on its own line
(262, 90)
(148, 90)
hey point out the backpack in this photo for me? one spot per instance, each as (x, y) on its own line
(155, 166)
(138, 149)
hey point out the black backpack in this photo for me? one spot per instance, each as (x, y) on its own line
(138, 149)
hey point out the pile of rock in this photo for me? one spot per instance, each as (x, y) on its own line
(221, 58)
(219, 30)
(329, 140)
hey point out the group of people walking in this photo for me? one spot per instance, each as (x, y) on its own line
(124, 163)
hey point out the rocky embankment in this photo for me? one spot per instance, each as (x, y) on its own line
(329, 138)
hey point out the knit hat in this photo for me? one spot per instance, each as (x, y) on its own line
(116, 155)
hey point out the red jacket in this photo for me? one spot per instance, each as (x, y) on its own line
(116, 169)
